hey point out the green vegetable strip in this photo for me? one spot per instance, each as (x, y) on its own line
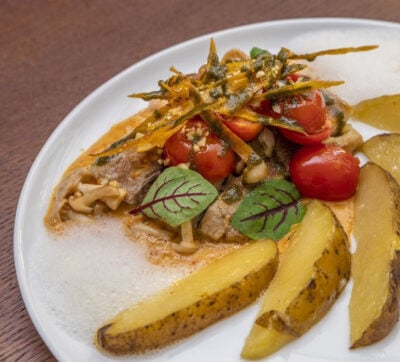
(245, 152)
(296, 88)
(338, 51)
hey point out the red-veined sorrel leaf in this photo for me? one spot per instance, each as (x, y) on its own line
(176, 196)
(269, 210)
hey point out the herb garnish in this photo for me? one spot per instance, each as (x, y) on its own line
(177, 195)
(269, 210)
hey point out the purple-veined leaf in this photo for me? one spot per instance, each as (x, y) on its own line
(177, 195)
(269, 210)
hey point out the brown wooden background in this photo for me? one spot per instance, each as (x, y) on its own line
(55, 52)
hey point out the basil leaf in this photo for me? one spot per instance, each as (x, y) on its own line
(177, 195)
(269, 210)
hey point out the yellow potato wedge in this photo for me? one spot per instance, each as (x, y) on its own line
(382, 112)
(218, 290)
(384, 150)
(311, 274)
(374, 304)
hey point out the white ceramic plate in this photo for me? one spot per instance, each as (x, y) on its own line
(327, 341)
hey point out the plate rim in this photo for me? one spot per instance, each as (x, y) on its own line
(19, 261)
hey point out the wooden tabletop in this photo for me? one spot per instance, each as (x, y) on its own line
(53, 53)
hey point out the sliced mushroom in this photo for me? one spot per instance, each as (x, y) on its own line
(66, 187)
(110, 195)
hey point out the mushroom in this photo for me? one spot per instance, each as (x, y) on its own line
(187, 245)
(350, 139)
(112, 196)
(67, 186)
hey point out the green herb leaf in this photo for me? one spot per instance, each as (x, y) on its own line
(255, 52)
(176, 196)
(269, 210)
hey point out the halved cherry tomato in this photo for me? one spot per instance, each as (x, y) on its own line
(243, 128)
(205, 152)
(307, 138)
(309, 111)
(325, 172)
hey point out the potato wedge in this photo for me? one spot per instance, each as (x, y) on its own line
(374, 304)
(311, 275)
(218, 290)
(384, 150)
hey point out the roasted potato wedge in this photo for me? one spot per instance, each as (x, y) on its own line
(374, 304)
(218, 290)
(384, 150)
(311, 274)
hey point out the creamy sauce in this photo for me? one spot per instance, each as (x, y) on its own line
(381, 112)
(157, 240)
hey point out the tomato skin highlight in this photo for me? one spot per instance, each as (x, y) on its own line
(325, 172)
(205, 152)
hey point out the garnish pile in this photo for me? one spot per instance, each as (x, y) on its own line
(207, 121)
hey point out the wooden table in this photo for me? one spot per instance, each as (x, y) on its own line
(55, 52)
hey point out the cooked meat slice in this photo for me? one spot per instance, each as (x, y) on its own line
(133, 171)
(282, 155)
(216, 222)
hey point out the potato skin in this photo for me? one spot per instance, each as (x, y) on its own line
(190, 320)
(331, 273)
(382, 326)
(389, 315)
(291, 307)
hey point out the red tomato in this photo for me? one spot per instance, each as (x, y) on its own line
(214, 161)
(309, 111)
(243, 128)
(325, 172)
(178, 147)
(205, 152)
(265, 108)
(306, 138)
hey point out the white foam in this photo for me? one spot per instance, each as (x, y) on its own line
(90, 273)
(366, 74)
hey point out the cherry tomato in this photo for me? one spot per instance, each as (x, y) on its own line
(243, 128)
(307, 138)
(265, 108)
(325, 172)
(205, 152)
(309, 111)
(214, 161)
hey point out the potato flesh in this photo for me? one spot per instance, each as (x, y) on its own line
(219, 289)
(376, 230)
(384, 150)
(311, 274)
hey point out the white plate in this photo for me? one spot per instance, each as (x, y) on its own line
(327, 341)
